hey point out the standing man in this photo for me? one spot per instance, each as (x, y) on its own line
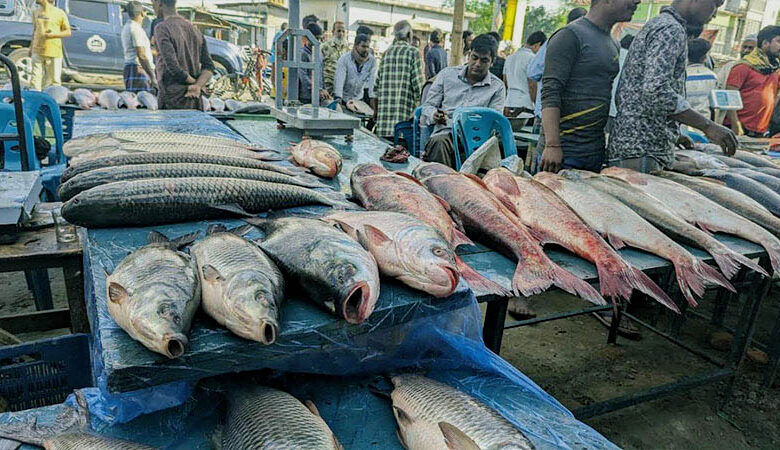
(456, 87)
(497, 68)
(399, 81)
(582, 60)
(748, 45)
(332, 51)
(356, 73)
(521, 90)
(436, 57)
(651, 95)
(138, 73)
(184, 65)
(306, 76)
(50, 25)
(699, 80)
(757, 79)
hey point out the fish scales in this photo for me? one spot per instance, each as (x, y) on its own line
(116, 138)
(754, 159)
(753, 189)
(84, 441)
(422, 399)
(97, 177)
(219, 149)
(264, 418)
(166, 200)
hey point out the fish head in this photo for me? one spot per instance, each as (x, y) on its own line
(357, 284)
(426, 170)
(159, 319)
(253, 301)
(81, 208)
(574, 174)
(328, 157)
(367, 170)
(627, 175)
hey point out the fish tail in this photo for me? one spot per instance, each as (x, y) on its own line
(709, 273)
(576, 286)
(337, 200)
(773, 250)
(477, 282)
(725, 256)
(621, 282)
(690, 280)
(532, 278)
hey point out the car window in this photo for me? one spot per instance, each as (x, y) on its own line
(84, 9)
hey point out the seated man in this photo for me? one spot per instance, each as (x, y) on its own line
(356, 72)
(456, 87)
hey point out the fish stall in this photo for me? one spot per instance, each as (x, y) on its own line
(354, 360)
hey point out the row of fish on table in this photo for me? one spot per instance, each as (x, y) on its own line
(430, 415)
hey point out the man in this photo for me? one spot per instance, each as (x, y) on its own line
(356, 73)
(757, 79)
(497, 68)
(184, 65)
(399, 81)
(521, 90)
(308, 20)
(468, 37)
(748, 45)
(625, 44)
(582, 60)
(699, 80)
(436, 58)
(460, 86)
(138, 72)
(50, 25)
(651, 93)
(276, 38)
(332, 51)
(306, 76)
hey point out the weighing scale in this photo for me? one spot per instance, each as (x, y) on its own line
(725, 99)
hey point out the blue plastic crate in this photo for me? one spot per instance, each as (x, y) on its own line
(44, 372)
(67, 112)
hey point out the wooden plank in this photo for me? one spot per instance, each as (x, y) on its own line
(38, 249)
(74, 285)
(36, 321)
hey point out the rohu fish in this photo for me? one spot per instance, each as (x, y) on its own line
(129, 100)
(319, 157)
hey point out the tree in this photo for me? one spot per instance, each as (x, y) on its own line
(484, 11)
(537, 18)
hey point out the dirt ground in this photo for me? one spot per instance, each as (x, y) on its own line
(572, 361)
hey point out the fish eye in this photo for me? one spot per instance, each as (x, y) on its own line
(438, 251)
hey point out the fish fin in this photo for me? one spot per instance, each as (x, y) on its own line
(408, 177)
(621, 281)
(268, 155)
(345, 227)
(531, 278)
(185, 240)
(712, 180)
(576, 285)
(401, 438)
(615, 241)
(216, 228)
(373, 236)
(478, 282)
(117, 293)
(508, 204)
(627, 175)
(211, 274)
(773, 250)
(155, 237)
(477, 180)
(443, 202)
(404, 419)
(241, 230)
(455, 438)
(729, 262)
(258, 222)
(460, 238)
(217, 436)
(712, 275)
(337, 200)
(312, 407)
(336, 444)
(82, 409)
(233, 209)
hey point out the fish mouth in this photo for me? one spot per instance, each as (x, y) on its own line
(174, 345)
(356, 304)
(267, 332)
(454, 277)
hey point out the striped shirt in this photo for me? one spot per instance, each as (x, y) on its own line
(398, 86)
(699, 82)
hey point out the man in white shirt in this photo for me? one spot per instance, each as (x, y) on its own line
(700, 80)
(138, 73)
(356, 72)
(521, 93)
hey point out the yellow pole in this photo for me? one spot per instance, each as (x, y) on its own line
(509, 19)
(457, 32)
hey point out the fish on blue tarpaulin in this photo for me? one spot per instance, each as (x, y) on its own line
(84, 98)
(319, 157)
(145, 136)
(109, 99)
(60, 94)
(148, 100)
(129, 100)
(149, 147)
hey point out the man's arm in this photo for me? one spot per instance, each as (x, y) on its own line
(64, 29)
(172, 72)
(339, 79)
(206, 70)
(433, 101)
(143, 59)
(532, 89)
(372, 81)
(560, 59)
(498, 99)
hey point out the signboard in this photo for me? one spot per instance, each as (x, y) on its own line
(96, 44)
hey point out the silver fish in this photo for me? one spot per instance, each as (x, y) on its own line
(129, 100)
(770, 181)
(60, 94)
(755, 159)
(217, 104)
(233, 105)
(753, 189)
(205, 105)
(242, 288)
(147, 100)
(109, 99)
(146, 136)
(434, 416)
(168, 147)
(84, 98)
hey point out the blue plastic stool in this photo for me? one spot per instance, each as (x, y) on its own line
(421, 134)
(474, 125)
(404, 129)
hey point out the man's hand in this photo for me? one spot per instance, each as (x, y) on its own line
(736, 127)
(325, 95)
(193, 91)
(552, 157)
(718, 134)
(440, 117)
(685, 142)
(190, 80)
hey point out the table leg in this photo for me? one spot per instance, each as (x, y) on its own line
(770, 373)
(617, 316)
(74, 285)
(39, 282)
(493, 330)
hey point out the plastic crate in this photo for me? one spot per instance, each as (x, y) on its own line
(44, 372)
(67, 112)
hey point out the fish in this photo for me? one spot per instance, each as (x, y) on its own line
(333, 269)
(729, 198)
(775, 172)
(755, 159)
(378, 189)
(168, 200)
(404, 248)
(766, 179)
(224, 150)
(753, 189)
(317, 156)
(105, 175)
(217, 104)
(84, 98)
(733, 162)
(550, 221)
(260, 417)
(699, 210)
(60, 94)
(153, 294)
(360, 107)
(657, 213)
(148, 100)
(434, 416)
(621, 226)
(485, 216)
(242, 289)
(129, 100)
(109, 99)
(171, 158)
(205, 105)
(146, 136)
(699, 159)
(233, 105)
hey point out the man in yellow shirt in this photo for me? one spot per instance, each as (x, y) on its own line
(50, 25)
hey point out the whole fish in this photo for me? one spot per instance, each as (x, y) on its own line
(147, 100)
(319, 157)
(153, 294)
(129, 100)
(434, 416)
(217, 104)
(483, 215)
(224, 150)
(699, 210)
(205, 104)
(700, 160)
(753, 189)
(378, 189)
(755, 159)
(60, 94)
(97, 177)
(171, 158)
(233, 105)
(84, 98)
(551, 221)
(657, 213)
(728, 198)
(360, 107)
(329, 266)
(621, 226)
(145, 136)
(109, 99)
(404, 248)
(733, 162)
(260, 417)
(167, 200)
(775, 172)
(767, 180)
(241, 287)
